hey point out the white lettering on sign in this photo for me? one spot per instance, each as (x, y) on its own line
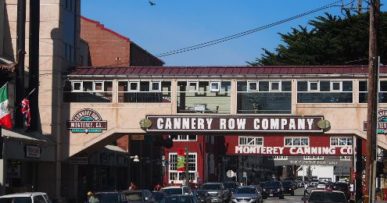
(243, 149)
(258, 150)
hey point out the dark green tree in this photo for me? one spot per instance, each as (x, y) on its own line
(327, 40)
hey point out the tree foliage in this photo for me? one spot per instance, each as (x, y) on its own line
(330, 40)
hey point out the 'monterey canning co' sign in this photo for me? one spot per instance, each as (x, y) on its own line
(234, 123)
(87, 121)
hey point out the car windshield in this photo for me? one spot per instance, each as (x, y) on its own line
(173, 191)
(107, 198)
(16, 200)
(178, 199)
(340, 186)
(230, 185)
(272, 184)
(327, 197)
(133, 196)
(212, 187)
(245, 190)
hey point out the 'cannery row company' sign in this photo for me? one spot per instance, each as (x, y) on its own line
(86, 121)
(234, 124)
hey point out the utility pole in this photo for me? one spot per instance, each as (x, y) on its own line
(186, 167)
(373, 71)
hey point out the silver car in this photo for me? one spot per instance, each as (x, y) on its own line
(246, 194)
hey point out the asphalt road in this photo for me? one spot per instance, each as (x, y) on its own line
(297, 198)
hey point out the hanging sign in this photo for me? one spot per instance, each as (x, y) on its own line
(86, 121)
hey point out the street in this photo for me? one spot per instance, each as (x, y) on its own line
(294, 199)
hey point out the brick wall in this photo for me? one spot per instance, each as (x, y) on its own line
(107, 48)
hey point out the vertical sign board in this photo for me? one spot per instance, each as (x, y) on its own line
(382, 122)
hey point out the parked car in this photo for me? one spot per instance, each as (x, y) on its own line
(216, 191)
(326, 196)
(246, 194)
(110, 197)
(202, 196)
(139, 196)
(230, 185)
(272, 189)
(27, 197)
(289, 187)
(158, 196)
(177, 190)
(180, 199)
(342, 186)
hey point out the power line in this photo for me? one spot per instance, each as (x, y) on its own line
(248, 32)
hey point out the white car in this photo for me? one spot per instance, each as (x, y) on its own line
(176, 190)
(27, 197)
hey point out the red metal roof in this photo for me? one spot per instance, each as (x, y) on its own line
(159, 71)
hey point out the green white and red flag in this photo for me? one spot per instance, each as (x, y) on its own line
(5, 114)
(180, 160)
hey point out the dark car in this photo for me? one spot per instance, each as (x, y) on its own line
(216, 191)
(111, 197)
(272, 189)
(180, 199)
(158, 196)
(230, 185)
(246, 194)
(326, 196)
(342, 186)
(289, 187)
(139, 196)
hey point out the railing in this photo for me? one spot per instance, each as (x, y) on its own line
(203, 102)
(264, 103)
(144, 97)
(93, 97)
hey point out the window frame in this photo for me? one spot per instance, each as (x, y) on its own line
(151, 86)
(271, 86)
(252, 82)
(247, 141)
(133, 82)
(196, 86)
(332, 82)
(217, 89)
(103, 86)
(299, 145)
(81, 86)
(310, 82)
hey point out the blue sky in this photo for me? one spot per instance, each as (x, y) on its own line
(175, 24)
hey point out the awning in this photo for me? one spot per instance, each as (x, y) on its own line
(32, 137)
(115, 148)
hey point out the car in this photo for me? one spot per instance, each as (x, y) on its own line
(202, 196)
(158, 196)
(110, 197)
(230, 185)
(180, 199)
(289, 187)
(342, 186)
(139, 196)
(216, 191)
(246, 194)
(326, 196)
(27, 197)
(177, 190)
(272, 189)
(321, 185)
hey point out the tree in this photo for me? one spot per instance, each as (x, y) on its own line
(330, 40)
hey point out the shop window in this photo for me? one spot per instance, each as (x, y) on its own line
(177, 176)
(251, 141)
(296, 141)
(341, 141)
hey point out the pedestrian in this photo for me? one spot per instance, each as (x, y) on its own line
(91, 198)
(157, 187)
(132, 186)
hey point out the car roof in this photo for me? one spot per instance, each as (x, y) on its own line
(24, 194)
(173, 187)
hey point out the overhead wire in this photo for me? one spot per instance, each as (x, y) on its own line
(251, 31)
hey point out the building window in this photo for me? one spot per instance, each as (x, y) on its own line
(324, 91)
(134, 91)
(251, 141)
(314, 158)
(215, 86)
(88, 91)
(177, 176)
(296, 141)
(256, 97)
(280, 158)
(341, 141)
(363, 91)
(185, 138)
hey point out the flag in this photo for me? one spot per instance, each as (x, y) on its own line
(180, 160)
(26, 112)
(5, 114)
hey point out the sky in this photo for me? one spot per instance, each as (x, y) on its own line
(173, 24)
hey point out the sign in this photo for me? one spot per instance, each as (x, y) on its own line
(381, 127)
(32, 151)
(235, 123)
(86, 121)
(304, 151)
(230, 173)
